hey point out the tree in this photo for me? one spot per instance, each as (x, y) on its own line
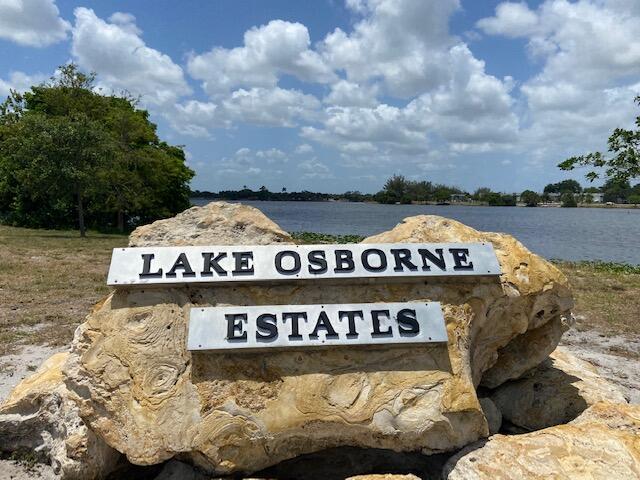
(568, 200)
(564, 186)
(66, 151)
(530, 198)
(624, 164)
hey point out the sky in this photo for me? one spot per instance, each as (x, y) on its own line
(333, 95)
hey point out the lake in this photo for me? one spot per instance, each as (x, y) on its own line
(561, 233)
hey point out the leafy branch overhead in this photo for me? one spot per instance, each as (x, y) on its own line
(623, 165)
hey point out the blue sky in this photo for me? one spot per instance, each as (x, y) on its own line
(335, 95)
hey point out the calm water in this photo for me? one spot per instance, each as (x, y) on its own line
(563, 233)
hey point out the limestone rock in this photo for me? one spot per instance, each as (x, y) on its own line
(602, 443)
(516, 331)
(40, 419)
(492, 414)
(217, 223)
(555, 392)
(147, 396)
(384, 476)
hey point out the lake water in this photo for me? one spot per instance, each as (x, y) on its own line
(562, 233)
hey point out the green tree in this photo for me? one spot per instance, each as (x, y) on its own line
(568, 200)
(624, 162)
(530, 198)
(67, 151)
(564, 186)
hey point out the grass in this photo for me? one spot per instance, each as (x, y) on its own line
(48, 282)
(607, 295)
(50, 279)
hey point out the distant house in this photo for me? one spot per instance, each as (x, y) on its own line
(597, 197)
(459, 198)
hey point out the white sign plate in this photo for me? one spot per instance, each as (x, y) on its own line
(288, 326)
(214, 264)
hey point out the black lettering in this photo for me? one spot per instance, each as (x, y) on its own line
(375, 320)
(382, 260)
(296, 262)
(461, 259)
(407, 322)
(267, 328)
(181, 263)
(212, 263)
(234, 324)
(294, 317)
(402, 257)
(244, 263)
(146, 267)
(437, 261)
(344, 261)
(318, 259)
(323, 323)
(351, 317)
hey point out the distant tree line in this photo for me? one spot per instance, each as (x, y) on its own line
(73, 158)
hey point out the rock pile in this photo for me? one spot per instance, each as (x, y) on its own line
(136, 387)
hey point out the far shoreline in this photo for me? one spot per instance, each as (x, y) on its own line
(618, 206)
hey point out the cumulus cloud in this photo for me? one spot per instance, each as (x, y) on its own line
(303, 149)
(116, 51)
(511, 20)
(591, 64)
(349, 94)
(20, 82)
(269, 51)
(270, 106)
(403, 42)
(35, 23)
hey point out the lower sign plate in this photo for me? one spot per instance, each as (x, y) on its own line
(288, 326)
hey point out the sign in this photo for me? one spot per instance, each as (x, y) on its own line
(214, 264)
(235, 328)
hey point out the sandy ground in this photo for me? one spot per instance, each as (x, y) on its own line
(616, 357)
(14, 368)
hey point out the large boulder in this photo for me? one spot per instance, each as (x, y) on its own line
(555, 392)
(139, 388)
(40, 421)
(602, 443)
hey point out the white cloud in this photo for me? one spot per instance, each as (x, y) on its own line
(511, 20)
(196, 119)
(591, 65)
(403, 42)
(270, 106)
(122, 59)
(20, 82)
(349, 94)
(269, 50)
(303, 149)
(314, 169)
(34, 23)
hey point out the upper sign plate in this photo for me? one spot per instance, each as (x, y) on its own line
(214, 264)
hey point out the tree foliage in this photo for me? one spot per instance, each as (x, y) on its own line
(71, 157)
(624, 162)
(530, 198)
(571, 186)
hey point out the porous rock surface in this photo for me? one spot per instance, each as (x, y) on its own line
(40, 420)
(602, 443)
(217, 223)
(140, 389)
(555, 392)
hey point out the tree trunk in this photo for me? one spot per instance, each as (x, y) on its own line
(120, 221)
(81, 215)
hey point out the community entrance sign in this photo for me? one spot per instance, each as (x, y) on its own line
(285, 326)
(216, 264)
(224, 328)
